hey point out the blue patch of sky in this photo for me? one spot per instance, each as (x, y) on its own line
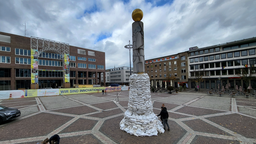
(103, 36)
(88, 11)
(160, 2)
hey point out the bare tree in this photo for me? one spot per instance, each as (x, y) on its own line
(199, 78)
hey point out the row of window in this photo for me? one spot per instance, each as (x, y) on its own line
(220, 72)
(175, 74)
(5, 59)
(22, 52)
(225, 48)
(81, 65)
(91, 59)
(100, 67)
(19, 60)
(7, 49)
(223, 56)
(81, 58)
(174, 62)
(224, 64)
(50, 63)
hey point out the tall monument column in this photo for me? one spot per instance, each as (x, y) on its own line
(139, 119)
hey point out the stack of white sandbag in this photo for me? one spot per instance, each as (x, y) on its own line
(139, 119)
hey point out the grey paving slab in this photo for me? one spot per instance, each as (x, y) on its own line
(217, 103)
(248, 111)
(89, 99)
(58, 102)
(28, 110)
(178, 99)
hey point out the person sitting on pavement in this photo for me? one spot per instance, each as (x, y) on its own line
(55, 139)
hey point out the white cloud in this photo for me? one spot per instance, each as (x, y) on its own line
(169, 28)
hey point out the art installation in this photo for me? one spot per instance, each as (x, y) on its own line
(139, 119)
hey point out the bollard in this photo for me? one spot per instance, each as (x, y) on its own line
(10, 96)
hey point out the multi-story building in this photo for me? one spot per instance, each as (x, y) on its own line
(85, 65)
(168, 70)
(216, 66)
(119, 75)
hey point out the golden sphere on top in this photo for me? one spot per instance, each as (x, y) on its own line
(137, 15)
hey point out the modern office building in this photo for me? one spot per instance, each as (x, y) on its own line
(230, 63)
(56, 65)
(119, 75)
(168, 70)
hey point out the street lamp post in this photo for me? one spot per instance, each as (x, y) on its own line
(129, 46)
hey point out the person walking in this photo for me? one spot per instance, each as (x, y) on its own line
(164, 117)
(102, 92)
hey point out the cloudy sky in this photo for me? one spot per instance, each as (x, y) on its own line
(170, 26)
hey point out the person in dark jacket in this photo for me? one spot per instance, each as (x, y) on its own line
(164, 117)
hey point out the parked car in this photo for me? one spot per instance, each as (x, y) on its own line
(8, 113)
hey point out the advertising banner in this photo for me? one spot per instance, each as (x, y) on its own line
(47, 92)
(11, 94)
(66, 67)
(30, 93)
(34, 66)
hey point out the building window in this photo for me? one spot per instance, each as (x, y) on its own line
(201, 52)
(72, 58)
(211, 57)
(155, 65)
(237, 54)
(155, 70)
(91, 66)
(159, 65)
(201, 59)
(5, 72)
(183, 71)
(183, 77)
(211, 65)
(100, 66)
(170, 63)
(82, 58)
(183, 58)
(170, 69)
(223, 64)
(191, 60)
(196, 53)
(206, 73)
(175, 62)
(217, 72)
(205, 51)
(196, 66)
(244, 62)
(175, 68)
(91, 53)
(252, 52)
(192, 54)
(217, 64)
(217, 57)
(7, 49)
(230, 72)
(91, 59)
(175, 74)
(80, 51)
(212, 73)
(183, 64)
(192, 74)
(223, 56)
(206, 65)
(217, 49)
(244, 53)
(165, 75)
(211, 50)
(206, 58)
(192, 67)
(81, 65)
(230, 55)
(230, 63)
(237, 63)
(196, 59)
(72, 64)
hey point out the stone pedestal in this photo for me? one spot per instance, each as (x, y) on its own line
(139, 119)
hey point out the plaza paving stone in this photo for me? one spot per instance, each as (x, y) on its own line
(37, 125)
(80, 125)
(107, 113)
(176, 116)
(197, 111)
(83, 139)
(20, 104)
(210, 140)
(103, 126)
(77, 110)
(107, 105)
(111, 129)
(167, 105)
(201, 126)
(238, 123)
(123, 103)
